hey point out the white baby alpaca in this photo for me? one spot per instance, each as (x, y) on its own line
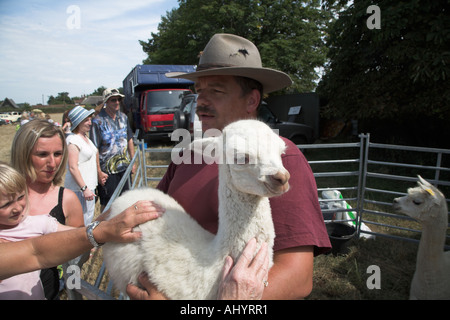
(427, 205)
(181, 258)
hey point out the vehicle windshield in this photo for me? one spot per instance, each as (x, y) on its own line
(264, 114)
(164, 101)
(189, 104)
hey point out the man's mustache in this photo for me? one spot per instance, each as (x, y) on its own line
(205, 110)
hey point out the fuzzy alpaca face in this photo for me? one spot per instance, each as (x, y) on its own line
(420, 202)
(415, 204)
(253, 154)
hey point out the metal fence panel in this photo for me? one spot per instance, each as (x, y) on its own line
(388, 171)
(382, 176)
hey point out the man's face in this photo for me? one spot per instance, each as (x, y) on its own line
(113, 104)
(220, 102)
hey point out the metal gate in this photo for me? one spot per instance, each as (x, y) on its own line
(376, 175)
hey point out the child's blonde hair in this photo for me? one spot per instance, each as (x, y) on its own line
(11, 181)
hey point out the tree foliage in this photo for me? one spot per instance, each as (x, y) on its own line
(399, 72)
(98, 91)
(289, 34)
(61, 98)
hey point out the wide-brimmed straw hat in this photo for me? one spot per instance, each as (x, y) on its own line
(111, 92)
(228, 54)
(77, 115)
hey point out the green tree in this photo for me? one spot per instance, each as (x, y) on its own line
(61, 98)
(396, 73)
(98, 91)
(288, 34)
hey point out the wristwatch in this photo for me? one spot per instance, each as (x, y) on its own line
(83, 188)
(90, 228)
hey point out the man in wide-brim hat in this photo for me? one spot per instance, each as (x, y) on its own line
(230, 81)
(228, 56)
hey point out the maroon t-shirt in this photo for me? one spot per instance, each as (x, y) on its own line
(296, 214)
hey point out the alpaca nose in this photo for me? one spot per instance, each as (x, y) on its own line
(281, 177)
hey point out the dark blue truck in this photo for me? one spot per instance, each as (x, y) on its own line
(151, 98)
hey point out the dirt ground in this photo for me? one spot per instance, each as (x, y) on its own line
(7, 133)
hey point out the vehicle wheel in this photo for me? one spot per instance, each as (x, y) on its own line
(182, 123)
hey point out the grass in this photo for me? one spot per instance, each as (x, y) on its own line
(345, 277)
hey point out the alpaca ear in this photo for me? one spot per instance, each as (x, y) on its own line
(206, 150)
(430, 190)
(428, 187)
(424, 182)
(209, 148)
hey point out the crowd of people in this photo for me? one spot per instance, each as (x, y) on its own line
(91, 151)
(61, 170)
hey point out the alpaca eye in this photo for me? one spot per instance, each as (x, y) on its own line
(417, 202)
(242, 159)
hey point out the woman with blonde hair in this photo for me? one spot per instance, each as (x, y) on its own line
(39, 153)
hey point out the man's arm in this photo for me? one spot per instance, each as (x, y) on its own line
(291, 275)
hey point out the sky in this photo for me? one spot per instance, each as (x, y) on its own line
(51, 46)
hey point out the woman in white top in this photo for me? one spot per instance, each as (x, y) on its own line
(82, 161)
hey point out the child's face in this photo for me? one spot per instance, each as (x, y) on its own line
(12, 209)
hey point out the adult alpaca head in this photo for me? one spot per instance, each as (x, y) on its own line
(423, 203)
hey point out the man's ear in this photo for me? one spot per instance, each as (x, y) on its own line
(253, 101)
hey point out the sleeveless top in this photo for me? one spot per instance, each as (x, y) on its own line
(87, 163)
(57, 212)
(50, 276)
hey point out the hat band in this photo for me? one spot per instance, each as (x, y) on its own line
(207, 66)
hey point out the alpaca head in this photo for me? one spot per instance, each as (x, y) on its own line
(423, 203)
(251, 154)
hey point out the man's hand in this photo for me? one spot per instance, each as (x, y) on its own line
(247, 279)
(149, 293)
